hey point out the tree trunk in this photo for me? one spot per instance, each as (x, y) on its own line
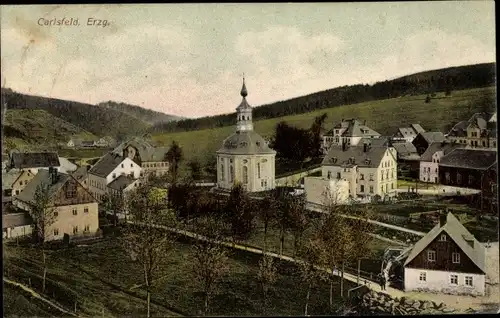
(206, 303)
(359, 270)
(265, 236)
(307, 299)
(282, 240)
(331, 290)
(149, 303)
(342, 281)
(146, 283)
(44, 269)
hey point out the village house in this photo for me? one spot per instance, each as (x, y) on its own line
(81, 175)
(467, 167)
(408, 159)
(88, 144)
(153, 160)
(15, 180)
(448, 259)
(70, 143)
(370, 170)
(430, 159)
(349, 131)
(75, 209)
(477, 132)
(245, 156)
(407, 134)
(17, 224)
(33, 161)
(423, 140)
(120, 188)
(107, 169)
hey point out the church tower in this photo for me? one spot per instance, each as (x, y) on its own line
(244, 112)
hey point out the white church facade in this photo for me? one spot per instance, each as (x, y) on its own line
(245, 156)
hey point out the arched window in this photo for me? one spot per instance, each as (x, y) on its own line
(231, 174)
(222, 176)
(245, 174)
(258, 170)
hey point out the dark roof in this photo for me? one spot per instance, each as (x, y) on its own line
(146, 150)
(121, 183)
(106, 164)
(376, 142)
(469, 159)
(338, 157)
(458, 234)
(459, 130)
(15, 220)
(407, 131)
(478, 119)
(445, 147)
(404, 148)
(22, 160)
(42, 178)
(80, 173)
(433, 136)
(245, 142)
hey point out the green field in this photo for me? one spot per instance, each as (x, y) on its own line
(383, 116)
(102, 276)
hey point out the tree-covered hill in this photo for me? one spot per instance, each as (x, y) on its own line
(146, 115)
(429, 82)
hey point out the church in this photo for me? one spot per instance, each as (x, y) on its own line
(245, 156)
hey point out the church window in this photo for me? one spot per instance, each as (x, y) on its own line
(231, 174)
(222, 172)
(258, 170)
(245, 174)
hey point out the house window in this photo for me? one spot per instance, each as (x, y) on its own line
(436, 170)
(459, 178)
(468, 281)
(122, 165)
(431, 256)
(362, 177)
(442, 238)
(86, 228)
(56, 232)
(75, 212)
(392, 186)
(382, 189)
(258, 170)
(75, 229)
(447, 176)
(231, 174)
(329, 174)
(453, 279)
(222, 172)
(371, 189)
(131, 165)
(371, 176)
(455, 257)
(422, 277)
(382, 176)
(471, 179)
(362, 188)
(56, 213)
(71, 190)
(338, 175)
(245, 175)
(85, 210)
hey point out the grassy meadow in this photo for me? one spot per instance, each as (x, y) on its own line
(101, 277)
(384, 116)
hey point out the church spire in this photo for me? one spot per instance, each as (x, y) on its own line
(244, 91)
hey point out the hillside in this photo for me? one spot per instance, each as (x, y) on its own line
(384, 116)
(429, 82)
(97, 120)
(146, 115)
(29, 128)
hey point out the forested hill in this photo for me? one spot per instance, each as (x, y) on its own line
(96, 120)
(429, 82)
(146, 115)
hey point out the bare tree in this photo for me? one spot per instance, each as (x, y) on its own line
(240, 212)
(209, 259)
(147, 244)
(298, 220)
(267, 276)
(310, 266)
(336, 235)
(44, 215)
(360, 234)
(267, 213)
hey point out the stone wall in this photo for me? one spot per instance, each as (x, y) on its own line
(382, 304)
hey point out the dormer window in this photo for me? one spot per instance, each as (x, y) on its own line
(442, 238)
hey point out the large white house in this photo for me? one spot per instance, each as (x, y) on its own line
(348, 131)
(107, 169)
(245, 156)
(369, 169)
(448, 260)
(429, 161)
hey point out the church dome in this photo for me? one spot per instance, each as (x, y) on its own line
(245, 143)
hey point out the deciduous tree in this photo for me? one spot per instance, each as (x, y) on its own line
(239, 212)
(267, 276)
(174, 157)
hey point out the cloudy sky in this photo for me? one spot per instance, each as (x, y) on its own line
(188, 59)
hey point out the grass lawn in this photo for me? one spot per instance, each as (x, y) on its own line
(82, 271)
(19, 303)
(380, 115)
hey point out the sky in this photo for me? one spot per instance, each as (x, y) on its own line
(188, 59)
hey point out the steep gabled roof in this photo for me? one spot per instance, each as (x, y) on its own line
(23, 160)
(469, 159)
(10, 220)
(445, 147)
(418, 129)
(121, 183)
(146, 150)
(404, 149)
(356, 129)
(458, 234)
(42, 178)
(9, 177)
(433, 136)
(106, 164)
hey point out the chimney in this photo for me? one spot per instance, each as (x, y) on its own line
(53, 175)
